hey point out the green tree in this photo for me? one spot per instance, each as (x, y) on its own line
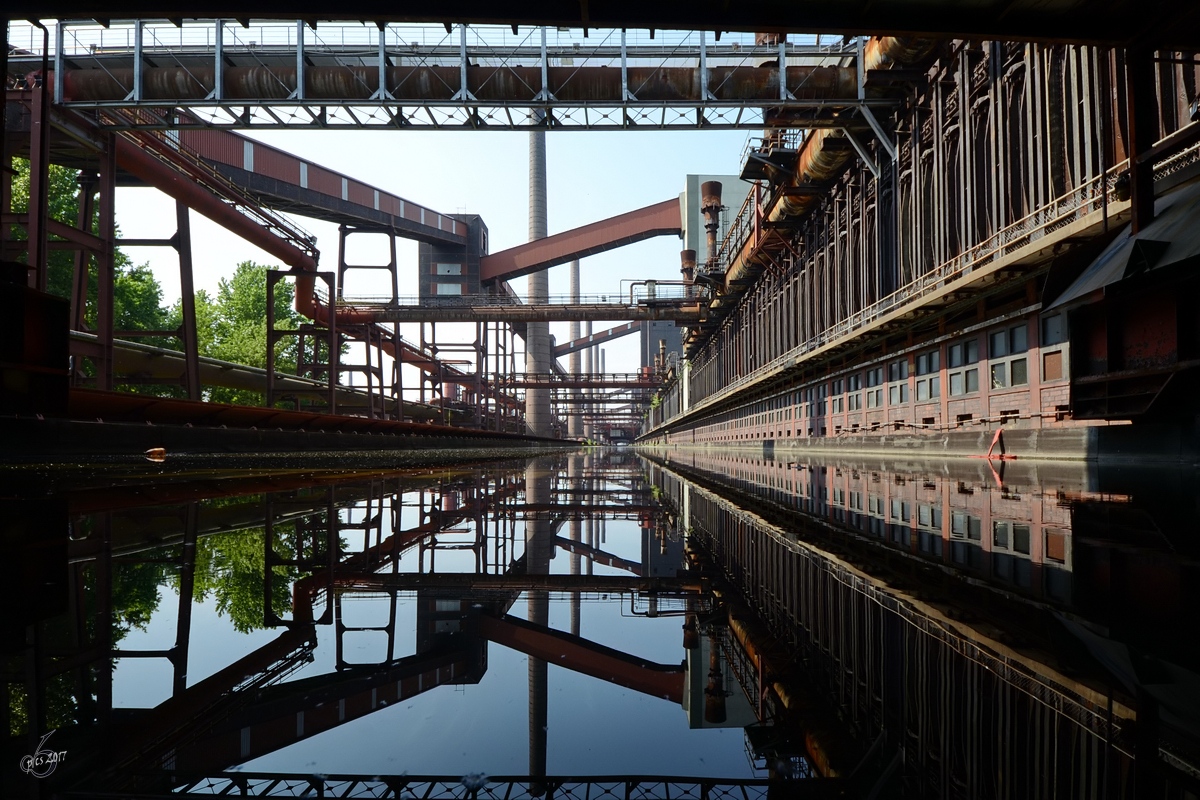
(137, 295)
(233, 326)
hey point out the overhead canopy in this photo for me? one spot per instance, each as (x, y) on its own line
(1171, 239)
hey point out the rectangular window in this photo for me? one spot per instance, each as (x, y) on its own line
(956, 384)
(999, 376)
(1018, 339)
(1000, 535)
(1019, 372)
(999, 344)
(447, 269)
(922, 391)
(1054, 330)
(1020, 539)
(898, 370)
(972, 380)
(1052, 366)
(893, 395)
(449, 289)
(928, 362)
(935, 387)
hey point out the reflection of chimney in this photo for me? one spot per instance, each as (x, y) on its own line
(710, 205)
(714, 694)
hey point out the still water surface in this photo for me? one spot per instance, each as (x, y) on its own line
(920, 629)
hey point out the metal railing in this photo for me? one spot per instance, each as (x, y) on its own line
(566, 44)
(551, 379)
(202, 49)
(639, 296)
(1088, 198)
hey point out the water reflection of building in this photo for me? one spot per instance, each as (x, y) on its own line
(972, 624)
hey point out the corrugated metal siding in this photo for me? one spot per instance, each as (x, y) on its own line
(361, 194)
(323, 181)
(215, 145)
(276, 164)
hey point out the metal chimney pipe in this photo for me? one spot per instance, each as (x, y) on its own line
(710, 205)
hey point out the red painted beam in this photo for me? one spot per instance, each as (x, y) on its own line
(586, 657)
(600, 337)
(661, 219)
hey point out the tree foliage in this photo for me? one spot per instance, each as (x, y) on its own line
(230, 326)
(235, 326)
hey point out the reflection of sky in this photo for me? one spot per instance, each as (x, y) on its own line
(594, 727)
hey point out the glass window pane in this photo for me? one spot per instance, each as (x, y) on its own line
(1018, 339)
(1021, 539)
(935, 387)
(972, 350)
(999, 376)
(999, 344)
(972, 380)
(923, 364)
(893, 395)
(956, 355)
(922, 390)
(956, 383)
(904, 393)
(1000, 534)
(1020, 372)
(1052, 330)
(974, 528)
(935, 360)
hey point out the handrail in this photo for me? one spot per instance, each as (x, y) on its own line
(1085, 199)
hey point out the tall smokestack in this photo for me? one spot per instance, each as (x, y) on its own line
(710, 205)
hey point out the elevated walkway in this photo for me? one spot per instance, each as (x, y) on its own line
(285, 182)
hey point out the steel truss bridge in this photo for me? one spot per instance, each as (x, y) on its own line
(274, 74)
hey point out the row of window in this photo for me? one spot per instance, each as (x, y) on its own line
(1007, 367)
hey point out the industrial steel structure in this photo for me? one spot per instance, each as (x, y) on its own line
(1010, 251)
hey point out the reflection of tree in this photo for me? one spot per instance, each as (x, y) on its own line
(135, 598)
(230, 567)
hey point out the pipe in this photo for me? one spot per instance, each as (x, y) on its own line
(137, 162)
(426, 83)
(823, 154)
(710, 206)
(687, 265)
(818, 160)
